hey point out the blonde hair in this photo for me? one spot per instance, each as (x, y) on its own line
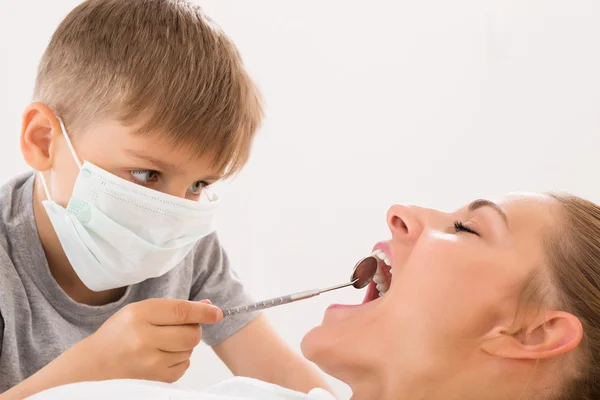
(574, 259)
(162, 64)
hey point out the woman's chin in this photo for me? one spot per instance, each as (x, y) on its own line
(324, 341)
(319, 347)
(311, 342)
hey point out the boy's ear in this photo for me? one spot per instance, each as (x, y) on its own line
(552, 334)
(40, 126)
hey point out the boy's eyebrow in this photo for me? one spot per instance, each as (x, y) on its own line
(163, 165)
(158, 164)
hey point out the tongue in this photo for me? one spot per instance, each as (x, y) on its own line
(372, 293)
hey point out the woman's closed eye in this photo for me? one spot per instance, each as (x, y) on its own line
(461, 227)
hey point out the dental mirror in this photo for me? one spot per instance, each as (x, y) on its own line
(364, 271)
(362, 275)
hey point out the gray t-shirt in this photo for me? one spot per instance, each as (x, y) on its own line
(39, 321)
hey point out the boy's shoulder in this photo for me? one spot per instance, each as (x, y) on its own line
(14, 194)
(16, 212)
(16, 202)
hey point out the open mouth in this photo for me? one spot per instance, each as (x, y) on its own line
(382, 280)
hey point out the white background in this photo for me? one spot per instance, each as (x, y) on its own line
(371, 103)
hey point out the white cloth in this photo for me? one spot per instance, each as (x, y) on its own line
(237, 388)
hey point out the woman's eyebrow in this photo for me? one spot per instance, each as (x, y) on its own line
(487, 203)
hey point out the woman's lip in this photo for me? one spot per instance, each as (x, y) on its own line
(334, 306)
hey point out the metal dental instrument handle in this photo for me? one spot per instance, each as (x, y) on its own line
(277, 301)
(362, 275)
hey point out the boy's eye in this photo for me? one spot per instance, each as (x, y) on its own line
(145, 175)
(196, 187)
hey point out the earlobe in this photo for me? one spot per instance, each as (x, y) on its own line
(38, 130)
(553, 334)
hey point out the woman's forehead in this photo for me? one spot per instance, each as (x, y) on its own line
(516, 204)
(529, 210)
(526, 198)
(519, 207)
(531, 217)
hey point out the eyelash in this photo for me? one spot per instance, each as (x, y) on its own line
(156, 174)
(145, 171)
(460, 227)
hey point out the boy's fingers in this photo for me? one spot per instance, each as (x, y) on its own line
(177, 338)
(178, 370)
(181, 312)
(173, 359)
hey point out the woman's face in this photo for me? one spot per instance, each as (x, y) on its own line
(455, 281)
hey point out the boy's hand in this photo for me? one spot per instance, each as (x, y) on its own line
(151, 339)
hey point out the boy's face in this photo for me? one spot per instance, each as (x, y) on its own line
(143, 159)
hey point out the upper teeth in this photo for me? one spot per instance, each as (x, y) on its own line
(382, 256)
(380, 278)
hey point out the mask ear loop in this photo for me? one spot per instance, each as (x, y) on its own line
(44, 185)
(71, 149)
(210, 195)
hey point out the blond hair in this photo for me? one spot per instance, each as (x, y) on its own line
(569, 282)
(160, 64)
(574, 259)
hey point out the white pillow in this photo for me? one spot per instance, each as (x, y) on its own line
(237, 388)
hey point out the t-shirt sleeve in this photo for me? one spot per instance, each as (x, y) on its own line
(1, 331)
(2, 301)
(215, 280)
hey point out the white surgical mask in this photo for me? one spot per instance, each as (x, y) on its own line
(116, 233)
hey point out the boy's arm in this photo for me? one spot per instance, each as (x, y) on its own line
(257, 351)
(68, 368)
(150, 340)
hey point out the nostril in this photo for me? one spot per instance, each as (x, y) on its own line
(398, 223)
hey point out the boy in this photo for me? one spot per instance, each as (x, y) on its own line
(107, 255)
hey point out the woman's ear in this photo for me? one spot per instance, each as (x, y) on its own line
(40, 126)
(550, 335)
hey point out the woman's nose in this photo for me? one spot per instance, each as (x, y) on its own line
(404, 222)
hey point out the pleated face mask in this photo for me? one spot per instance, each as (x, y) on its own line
(116, 233)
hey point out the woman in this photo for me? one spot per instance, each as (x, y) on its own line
(495, 301)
